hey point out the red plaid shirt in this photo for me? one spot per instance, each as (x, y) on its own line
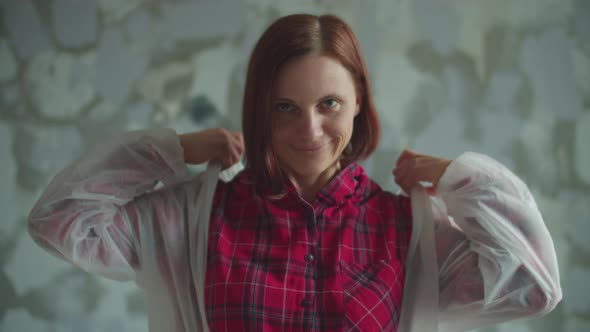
(334, 264)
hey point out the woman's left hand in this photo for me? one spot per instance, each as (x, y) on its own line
(412, 168)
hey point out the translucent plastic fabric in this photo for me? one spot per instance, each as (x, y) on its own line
(102, 214)
(480, 252)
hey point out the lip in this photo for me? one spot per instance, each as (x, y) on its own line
(311, 148)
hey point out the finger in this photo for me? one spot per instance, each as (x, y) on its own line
(403, 155)
(241, 147)
(239, 141)
(410, 180)
(400, 179)
(236, 155)
(239, 136)
(407, 176)
(226, 162)
(402, 184)
(431, 168)
(401, 170)
(423, 169)
(238, 148)
(230, 148)
(406, 153)
(396, 172)
(431, 191)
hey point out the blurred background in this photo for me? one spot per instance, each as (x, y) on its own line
(508, 78)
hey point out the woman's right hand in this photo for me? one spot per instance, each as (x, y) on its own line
(216, 144)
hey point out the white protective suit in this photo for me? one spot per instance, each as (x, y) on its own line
(482, 230)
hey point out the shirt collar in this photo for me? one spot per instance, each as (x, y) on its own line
(347, 185)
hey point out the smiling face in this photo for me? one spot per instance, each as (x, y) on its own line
(314, 105)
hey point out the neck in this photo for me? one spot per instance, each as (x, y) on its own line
(308, 185)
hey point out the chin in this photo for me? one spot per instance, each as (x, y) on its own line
(310, 170)
(309, 166)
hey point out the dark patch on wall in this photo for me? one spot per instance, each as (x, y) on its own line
(200, 108)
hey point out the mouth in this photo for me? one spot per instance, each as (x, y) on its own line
(310, 148)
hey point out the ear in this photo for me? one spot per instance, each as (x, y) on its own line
(357, 107)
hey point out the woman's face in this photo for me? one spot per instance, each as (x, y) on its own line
(313, 109)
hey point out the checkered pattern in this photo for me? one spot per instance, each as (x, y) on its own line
(285, 265)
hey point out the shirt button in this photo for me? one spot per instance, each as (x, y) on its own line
(309, 258)
(306, 302)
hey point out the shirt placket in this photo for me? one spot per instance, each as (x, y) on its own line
(309, 300)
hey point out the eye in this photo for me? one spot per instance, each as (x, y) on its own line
(330, 103)
(284, 107)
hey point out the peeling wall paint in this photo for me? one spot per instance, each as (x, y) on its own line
(510, 79)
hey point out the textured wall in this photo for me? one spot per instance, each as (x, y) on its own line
(509, 78)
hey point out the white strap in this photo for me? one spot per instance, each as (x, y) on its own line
(420, 301)
(199, 230)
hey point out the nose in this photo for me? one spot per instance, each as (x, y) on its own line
(309, 124)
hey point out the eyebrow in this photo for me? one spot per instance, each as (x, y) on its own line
(327, 96)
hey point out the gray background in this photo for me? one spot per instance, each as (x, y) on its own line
(508, 78)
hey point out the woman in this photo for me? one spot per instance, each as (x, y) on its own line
(302, 239)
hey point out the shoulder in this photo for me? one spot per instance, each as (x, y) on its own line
(240, 187)
(398, 205)
(401, 204)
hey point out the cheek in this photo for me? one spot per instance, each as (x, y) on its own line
(279, 124)
(278, 139)
(277, 134)
(343, 130)
(281, 121)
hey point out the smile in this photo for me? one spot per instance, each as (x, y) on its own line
(312, 148)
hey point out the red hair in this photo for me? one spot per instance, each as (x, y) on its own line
(288, 38)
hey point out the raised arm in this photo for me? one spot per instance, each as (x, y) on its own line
(87, 214)
(496, 258)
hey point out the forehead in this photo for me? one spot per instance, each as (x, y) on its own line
(313, 76)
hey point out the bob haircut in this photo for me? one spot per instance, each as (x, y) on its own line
(284, 40)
